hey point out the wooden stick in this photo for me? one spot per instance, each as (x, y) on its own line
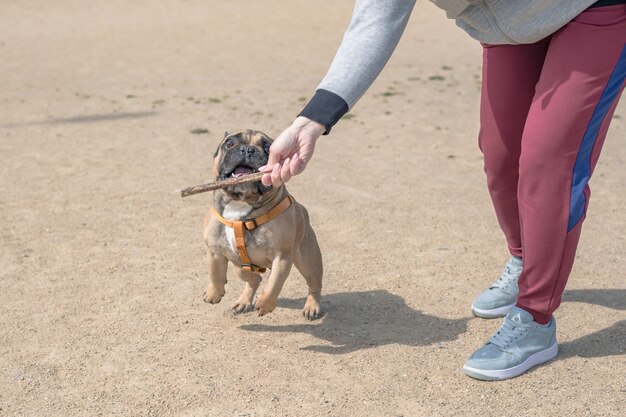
(197, 189)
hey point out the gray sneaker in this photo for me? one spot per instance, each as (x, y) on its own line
(501, 296)
(519, 345)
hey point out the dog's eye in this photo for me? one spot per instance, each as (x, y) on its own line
(229, 143)
(266, 147)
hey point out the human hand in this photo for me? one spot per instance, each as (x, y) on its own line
(291, 151)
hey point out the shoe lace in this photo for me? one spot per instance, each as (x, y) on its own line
(508, 278)
(508, 333)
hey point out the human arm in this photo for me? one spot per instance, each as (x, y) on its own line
(374, 32)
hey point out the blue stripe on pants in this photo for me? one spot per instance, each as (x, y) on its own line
(582, 167)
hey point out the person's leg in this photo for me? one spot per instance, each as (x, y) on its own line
(510, 73)
(582, 78)
(580, 85)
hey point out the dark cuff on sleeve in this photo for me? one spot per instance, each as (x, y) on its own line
(325, 108)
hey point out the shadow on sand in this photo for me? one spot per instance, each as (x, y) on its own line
(612, 298)
(610, 341)
(91, 118)
(366, 319)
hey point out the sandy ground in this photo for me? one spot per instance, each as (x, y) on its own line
(102, 265)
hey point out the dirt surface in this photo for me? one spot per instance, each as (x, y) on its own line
(108, 108)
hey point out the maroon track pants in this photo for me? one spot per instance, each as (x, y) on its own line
(545, 111)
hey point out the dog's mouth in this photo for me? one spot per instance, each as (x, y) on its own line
(240, 171)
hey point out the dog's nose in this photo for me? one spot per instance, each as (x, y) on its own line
(247, 150)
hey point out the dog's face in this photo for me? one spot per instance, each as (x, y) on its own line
(241, 153)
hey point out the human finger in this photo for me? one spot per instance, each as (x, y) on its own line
(294, 167)
(274, 157)
(276, 182)
(285, 175)
(266, 180)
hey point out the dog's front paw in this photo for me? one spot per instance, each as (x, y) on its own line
(240, 307)
(213, 296)
(264, 305)
(312, 308)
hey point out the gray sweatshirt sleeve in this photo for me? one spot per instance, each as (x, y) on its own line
(368, 43)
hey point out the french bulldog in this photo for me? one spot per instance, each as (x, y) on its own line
(273, 227)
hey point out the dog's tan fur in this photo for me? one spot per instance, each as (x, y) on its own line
(277, 245)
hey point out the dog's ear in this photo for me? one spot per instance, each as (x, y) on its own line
(226, 134)
(266, 138)
(266, 143)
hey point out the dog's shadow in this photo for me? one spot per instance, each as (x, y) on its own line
(610, 341)
(367, 319)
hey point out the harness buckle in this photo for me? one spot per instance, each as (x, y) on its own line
(250, 224)
(252, 268)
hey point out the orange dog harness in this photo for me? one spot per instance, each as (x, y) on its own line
(239, 226)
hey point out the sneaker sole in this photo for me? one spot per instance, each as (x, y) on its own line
(533, 360)
(493, 313)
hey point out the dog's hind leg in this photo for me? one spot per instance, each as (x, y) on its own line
(308, 260)
(245, 301)
(217, 278)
